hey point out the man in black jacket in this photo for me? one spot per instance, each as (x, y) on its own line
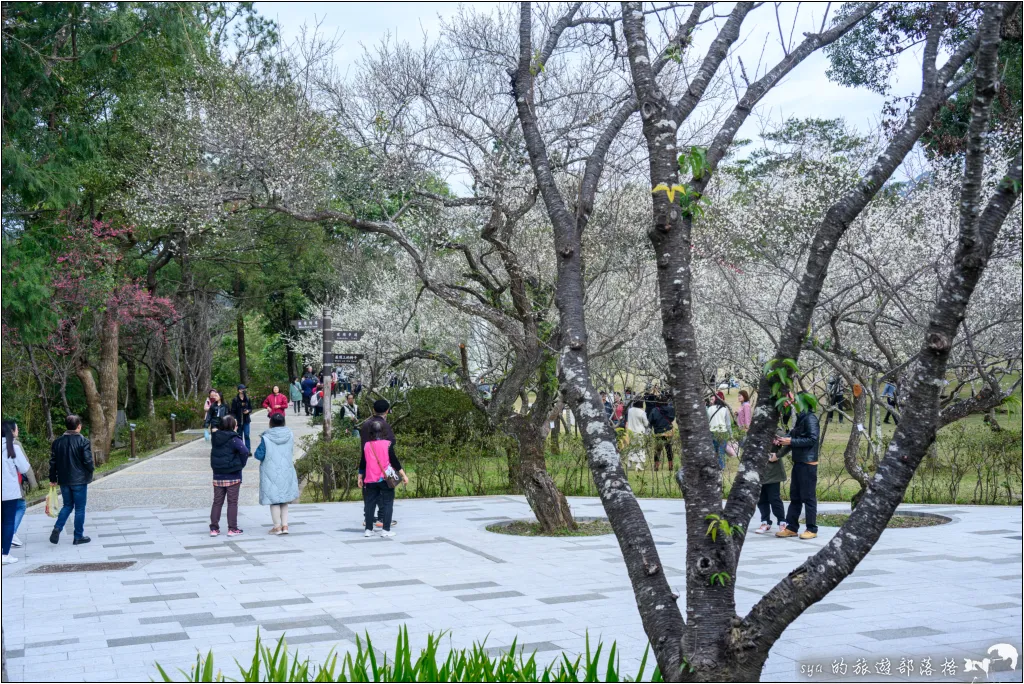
(661, 422)
(241, 408)
(803, 442)
(71, 467)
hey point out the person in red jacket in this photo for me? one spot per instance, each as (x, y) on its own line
(276, 402)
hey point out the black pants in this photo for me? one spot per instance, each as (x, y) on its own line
(305, 404)
(662, 443)
(770, 501)
(803, 493)
(378, 494)
(840, 403)
(888, 414)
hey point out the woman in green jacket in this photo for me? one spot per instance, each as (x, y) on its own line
(295, 394)
(771, 489)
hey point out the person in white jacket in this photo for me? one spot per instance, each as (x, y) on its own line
(636, 419)
(720, 422)
(14, 462)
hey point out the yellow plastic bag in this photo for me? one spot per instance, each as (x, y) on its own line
(53, 502)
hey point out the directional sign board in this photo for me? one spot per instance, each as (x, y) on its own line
(342, 358)
(344, 335)
(308, 324)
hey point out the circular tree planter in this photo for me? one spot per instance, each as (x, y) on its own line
(900, 520)
(586, 527)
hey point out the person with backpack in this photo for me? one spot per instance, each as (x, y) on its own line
(836, 393)
(308, 386)
(662, 418)
(279, 485)
(241, 408)
(720, 423)
(316, 400)
(228, 456)
(276, 403)
(15, 464)
(216, 413)
(71, 467)
(803, 487)
(379, 470)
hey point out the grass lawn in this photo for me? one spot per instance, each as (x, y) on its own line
(970, 465)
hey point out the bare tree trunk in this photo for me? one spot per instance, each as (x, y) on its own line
(3, 656)
(150, 387)
(555, 420)
(42, 392)
(243, 365)
(101, 400)
(851, 455)
(546, 501)
(131, 404)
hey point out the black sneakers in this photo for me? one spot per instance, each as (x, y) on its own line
(55, 536)
(82, 540)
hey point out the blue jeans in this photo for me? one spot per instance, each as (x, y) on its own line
(720, 450)
(19, 514)
(74, 498)
(245, 435)
(7, 515)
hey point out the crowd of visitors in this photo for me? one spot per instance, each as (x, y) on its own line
(646, 422)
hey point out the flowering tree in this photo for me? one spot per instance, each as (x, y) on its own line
(96, 302)
(713, 642)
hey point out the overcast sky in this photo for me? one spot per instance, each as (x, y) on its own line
(806, 92)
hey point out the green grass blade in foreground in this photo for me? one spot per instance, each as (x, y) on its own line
(460, 665)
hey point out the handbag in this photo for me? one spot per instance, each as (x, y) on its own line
(206, 434)
(391, 478)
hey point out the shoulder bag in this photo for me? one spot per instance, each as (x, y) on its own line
(391, 478)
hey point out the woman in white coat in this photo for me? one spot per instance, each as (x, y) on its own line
(279, 485)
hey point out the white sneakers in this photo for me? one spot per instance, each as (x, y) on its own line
(383, 533)
(9, 559)
(16, 542)
(763, 528)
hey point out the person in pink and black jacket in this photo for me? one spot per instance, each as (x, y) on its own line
(378, 462)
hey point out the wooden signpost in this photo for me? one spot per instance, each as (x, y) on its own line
(330, 359)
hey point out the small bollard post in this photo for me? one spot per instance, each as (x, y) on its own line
(172, 426)
(131, 430)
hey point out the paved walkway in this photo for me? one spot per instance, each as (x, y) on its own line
(946, 592)
(180, 478)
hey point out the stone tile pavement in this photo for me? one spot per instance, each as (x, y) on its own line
(941, 592)
(180, 478)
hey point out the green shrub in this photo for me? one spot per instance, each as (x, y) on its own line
(437, 411)
(463, 665)
(189, 412)
(339, 458)
(150, 433)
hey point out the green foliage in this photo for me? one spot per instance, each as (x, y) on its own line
(150, 433)
(720, 578)
(694, 162)
(463, 665)
(720, 524)
(437, 411)
(189, 412)
(782, 373)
